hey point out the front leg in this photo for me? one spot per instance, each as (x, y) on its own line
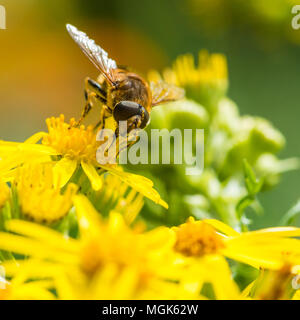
(93, 92)
(134, 123)
(105, 112)
(92, 85)
(128, 138)
(126, 143)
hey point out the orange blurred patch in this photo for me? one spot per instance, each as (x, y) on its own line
(42, 71)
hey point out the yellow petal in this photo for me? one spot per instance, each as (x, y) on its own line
(88, 217)
(253, 258)
(246, 292)
(138, 183)
(224, 228)
(274, 232)
(41, 233)
(64, 288)
(38, 148)
(26, 246)
(36, 137)
(219, 275)
(63, 171)
(92, 174)
(296, 296)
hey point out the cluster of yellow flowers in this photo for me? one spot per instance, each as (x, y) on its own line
(70, 229)
(113, 259)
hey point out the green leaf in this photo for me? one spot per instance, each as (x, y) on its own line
(253, 186)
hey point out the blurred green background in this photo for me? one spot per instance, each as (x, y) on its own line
(42, 70)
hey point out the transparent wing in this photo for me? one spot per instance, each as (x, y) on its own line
(95, 53)
(165, 92)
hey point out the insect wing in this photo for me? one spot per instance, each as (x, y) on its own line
(95, 53)
(164, 92)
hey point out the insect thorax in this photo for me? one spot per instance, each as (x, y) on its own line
(130, 87)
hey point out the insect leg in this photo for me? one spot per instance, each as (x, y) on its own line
(94, 86)
(88, 106)
(131, 140)
(93, 90)
(103, 116)
(134, 122)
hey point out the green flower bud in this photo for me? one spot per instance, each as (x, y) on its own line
(183, 114)
(227, 117)
(265, 138)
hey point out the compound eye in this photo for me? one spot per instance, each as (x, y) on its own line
(126, 109)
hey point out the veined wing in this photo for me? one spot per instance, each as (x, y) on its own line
(95, 53)
(164, 92)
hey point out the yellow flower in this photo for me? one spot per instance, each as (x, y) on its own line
(70, 141)
(203, 246)
(108, 261)
(269, 248)
(39, 199)
(209, 78)
(4, 193)
(198, 246)
(68, 147)
(211, 69)
(197, 239)
(118, 196)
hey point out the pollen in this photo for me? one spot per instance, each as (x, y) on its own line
(75, 143)
(197, 238)
(39, 200)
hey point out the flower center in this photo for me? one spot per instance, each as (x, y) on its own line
(40, 201)
(77, 143)
(120, 252)
(197, 238)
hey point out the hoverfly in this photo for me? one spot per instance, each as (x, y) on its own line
(124, 95)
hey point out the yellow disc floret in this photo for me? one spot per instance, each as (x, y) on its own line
(40, 201)
(211, 69)
(122, 249)
(76, 143)
(206, 82)
(197, 238)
